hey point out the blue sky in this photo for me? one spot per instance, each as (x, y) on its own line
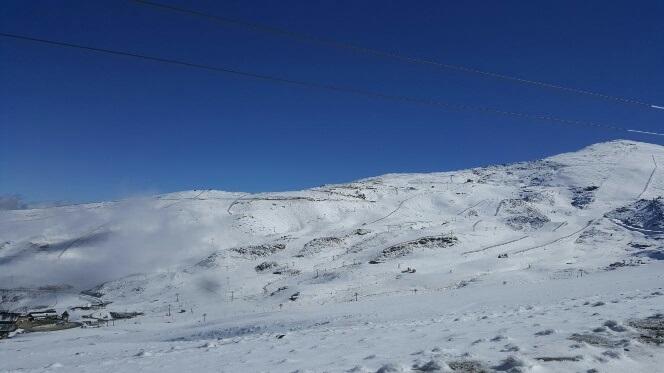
(79, 126)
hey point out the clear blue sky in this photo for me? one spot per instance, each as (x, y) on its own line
(79, 126)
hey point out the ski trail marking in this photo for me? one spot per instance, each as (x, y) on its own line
(554, 241)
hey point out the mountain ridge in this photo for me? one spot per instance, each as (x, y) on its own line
(311, 261)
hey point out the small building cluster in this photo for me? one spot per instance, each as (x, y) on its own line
(42, 320)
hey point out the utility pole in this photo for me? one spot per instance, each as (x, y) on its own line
(169, 310)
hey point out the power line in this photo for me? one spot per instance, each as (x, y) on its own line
(329, 87)
(392, 55)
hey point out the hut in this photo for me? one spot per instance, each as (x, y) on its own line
(45, 315)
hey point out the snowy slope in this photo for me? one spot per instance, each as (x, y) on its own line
(507, 268)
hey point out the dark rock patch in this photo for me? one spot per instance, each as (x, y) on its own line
(650, 254)
(317, 245)
(651, 329)
(406, 248)
(519, 215)
(645, 216)
(266, 266)
(256, 251)
(468, 366)
(599, 340)
(583, 196)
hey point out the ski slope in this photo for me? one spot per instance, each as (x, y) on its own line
(552, 265)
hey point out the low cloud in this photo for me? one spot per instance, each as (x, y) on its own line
(12, 202)
(86, 245)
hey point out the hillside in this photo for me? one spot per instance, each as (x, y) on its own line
(543, 266)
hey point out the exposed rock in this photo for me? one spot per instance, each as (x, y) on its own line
(651, 329)
(511, 364)
(519, 215)
(279, 290)
(599, 340)
(256, 251)
(534, 196)
(645, 216)
(651, 254)
(210, 261)
(317, 245)
(467, 366)
(430, 366)
(405, 248)
(266, 266)
(583, 196)
(593, 235)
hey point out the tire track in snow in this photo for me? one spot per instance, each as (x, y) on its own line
(645, 188)
(500, 204)
(406, 200)
(277, 197)
(228, 210)
(560, 226)
(185, 199)
(492, 246)
(473, 206)
(554, 241)
(475, 225)
(393, 211)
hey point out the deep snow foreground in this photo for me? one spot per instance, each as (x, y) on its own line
(547, 266)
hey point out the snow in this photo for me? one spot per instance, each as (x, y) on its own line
(569, 292)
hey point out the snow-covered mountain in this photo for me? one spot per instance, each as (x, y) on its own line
(550, 265)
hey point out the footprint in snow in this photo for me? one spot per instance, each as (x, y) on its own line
(510, 348)
(430, 366)
(612, 354)
(615, 326)
(545, 332)
(389, 368)
(143, 353)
